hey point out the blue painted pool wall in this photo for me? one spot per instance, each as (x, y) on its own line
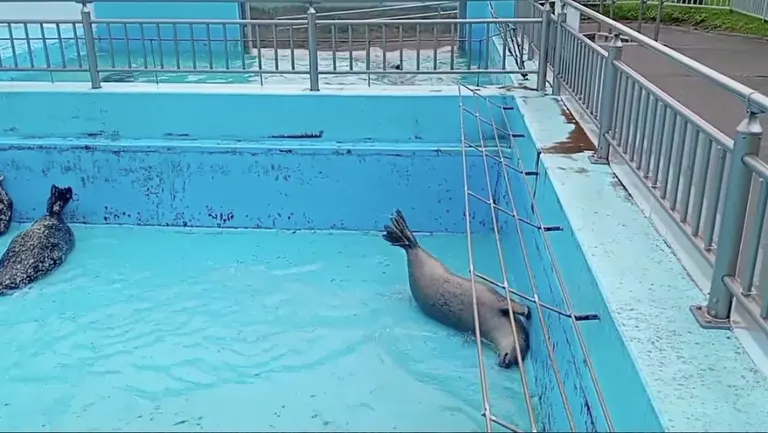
(281, 185)
(133, 166)
(168, 38)
(148, 112)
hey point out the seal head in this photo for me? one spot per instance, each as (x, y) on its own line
(58, 200)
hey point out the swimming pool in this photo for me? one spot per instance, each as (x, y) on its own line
(234, 330)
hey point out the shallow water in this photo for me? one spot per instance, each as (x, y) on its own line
(151, 329)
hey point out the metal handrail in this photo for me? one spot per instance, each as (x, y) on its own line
(754, 100)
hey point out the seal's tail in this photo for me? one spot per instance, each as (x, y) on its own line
(398, 233)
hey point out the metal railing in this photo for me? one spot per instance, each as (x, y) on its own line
(119, 49)
(700, 176)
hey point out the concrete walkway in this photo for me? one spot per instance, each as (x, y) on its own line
(741, 58)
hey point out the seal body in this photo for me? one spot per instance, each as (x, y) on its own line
(6, 209)
(38, 250)
(447, 298)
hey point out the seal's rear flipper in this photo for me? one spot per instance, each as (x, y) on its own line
(398, 233)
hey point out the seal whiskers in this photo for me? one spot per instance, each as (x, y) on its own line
(447, 297)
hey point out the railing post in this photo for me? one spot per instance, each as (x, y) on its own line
(544, 47)
(90, 47)
(558, 53)
(462, 15)
(314, 78)
(607, 100)
(747, 142)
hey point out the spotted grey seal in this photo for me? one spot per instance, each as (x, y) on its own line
(38, 250)
(447, 297)
(6, 208)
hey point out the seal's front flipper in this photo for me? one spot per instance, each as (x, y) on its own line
(517, 308)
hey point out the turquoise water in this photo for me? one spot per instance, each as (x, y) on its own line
(150, 329)
(245, 68)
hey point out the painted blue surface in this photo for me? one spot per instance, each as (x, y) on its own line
(232, 112)
(281, 185)
(168, 37)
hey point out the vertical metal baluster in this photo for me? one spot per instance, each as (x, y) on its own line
(243, 51)
(620, 101)
(13, 46)
(29, 45)
(143, 45)
(453, 48)
(649, 136)
(258, 53)
(333, 45)
(127, 46)
(685, 193)
(658, 144)
(77, 47)
(703, 160)
(193, 41)
(669, 147)
(639, 137)
(227, 60)
(504, 50)
(292, 48)
(349, 45)
(112, 63)
(634, 121)
(368, 53)
(176, 51)
(713, 201)
(384, 45)
(46, 48)
(676, 174)
(434, 49)
(418, 47)
(469, 46)
(627, 117)
(61, 47)
(160, 49)
(400, 30)
(209, 43)
(274, 48)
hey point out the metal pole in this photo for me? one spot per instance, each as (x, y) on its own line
(90, 48)
(657, 27)
(640, 16)
(558, 53)
(747, 142)
(607, 100)
(462, 15)
(314, 78)
(544, 47)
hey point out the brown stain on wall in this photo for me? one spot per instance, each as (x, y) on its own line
(577, 142)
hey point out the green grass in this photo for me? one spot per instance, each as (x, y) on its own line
(701, 18)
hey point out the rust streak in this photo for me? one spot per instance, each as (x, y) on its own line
(577, 142)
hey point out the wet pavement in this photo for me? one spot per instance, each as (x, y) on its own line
(742, 58)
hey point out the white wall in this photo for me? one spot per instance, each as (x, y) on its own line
(41, 10)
